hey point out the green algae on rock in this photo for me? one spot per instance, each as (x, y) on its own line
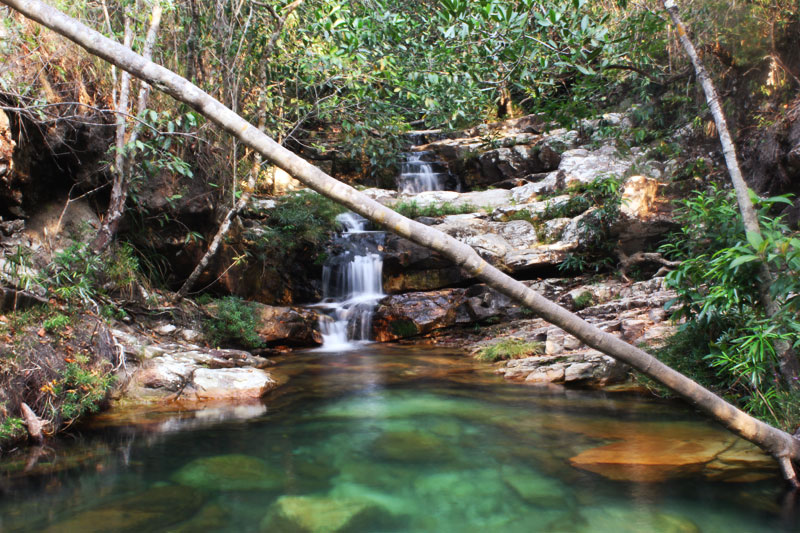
(229, 472)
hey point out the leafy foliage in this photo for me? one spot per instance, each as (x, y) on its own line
(233, 321)
(300, 222)
(600, 200)
(717, 286)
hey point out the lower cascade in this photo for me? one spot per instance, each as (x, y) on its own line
(351, 284)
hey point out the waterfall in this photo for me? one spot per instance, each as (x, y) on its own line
(418, 175)
(351, 284)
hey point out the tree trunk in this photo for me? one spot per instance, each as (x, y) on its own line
(789, 366)
(122, 160)
(116, 202)
(780, 444)
(280, 20)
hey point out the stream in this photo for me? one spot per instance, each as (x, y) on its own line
(382, 438)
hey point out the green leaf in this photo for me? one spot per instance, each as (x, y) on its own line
(754, 239)
(742, 260)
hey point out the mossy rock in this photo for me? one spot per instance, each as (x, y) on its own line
(229, 472)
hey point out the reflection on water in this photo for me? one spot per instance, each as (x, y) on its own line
(389, 439)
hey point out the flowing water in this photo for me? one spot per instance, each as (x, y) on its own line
(419, 175)
(378, 439)
(351, 285)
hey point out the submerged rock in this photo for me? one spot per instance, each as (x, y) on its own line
(629, 520)
(152, 510)
(411, 446)
(654, 452)
(536, 489)
(322, 514)
(229, 472)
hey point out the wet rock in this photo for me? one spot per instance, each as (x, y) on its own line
(412, 314)
(288, 325)
(151, 510)
(229, 472)
(321, 514)
(410, 267)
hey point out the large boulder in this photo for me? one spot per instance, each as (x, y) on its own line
(410, 267)
(412, 314)
(174, 370)
(288, 325)
(229, 472)
(153, 510)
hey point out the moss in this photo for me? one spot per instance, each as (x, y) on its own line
(404, 328)
(509, 349)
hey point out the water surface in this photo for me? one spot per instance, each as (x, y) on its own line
(380, 439)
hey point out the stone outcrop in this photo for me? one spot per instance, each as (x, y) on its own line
(180, 371)
(414, 314)
(288, 326)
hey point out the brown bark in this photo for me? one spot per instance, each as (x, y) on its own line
(789, 366)
(123, 161)
(776, 442)
(34, 423)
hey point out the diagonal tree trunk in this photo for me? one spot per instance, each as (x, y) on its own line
(780, 444)
(789, 366)
(123, 161)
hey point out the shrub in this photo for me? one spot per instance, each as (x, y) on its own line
(509, 349)
(55, 323)
(412, 209)
(234, 321)
(718, 295)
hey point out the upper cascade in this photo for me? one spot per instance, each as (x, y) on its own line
(418, 175)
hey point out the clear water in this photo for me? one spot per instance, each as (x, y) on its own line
(423, 439)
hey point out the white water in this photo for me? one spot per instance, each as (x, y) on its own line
(418, 176)
(351, 287)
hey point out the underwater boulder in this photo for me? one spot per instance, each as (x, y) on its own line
(229, 472)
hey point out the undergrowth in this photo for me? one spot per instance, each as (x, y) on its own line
(728, 341)
(509, 349)
(233, 321)
(411, 209)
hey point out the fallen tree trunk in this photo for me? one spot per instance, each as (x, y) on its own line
(780, 444)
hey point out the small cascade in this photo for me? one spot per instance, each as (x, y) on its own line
(418, 175)
(351, 284)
